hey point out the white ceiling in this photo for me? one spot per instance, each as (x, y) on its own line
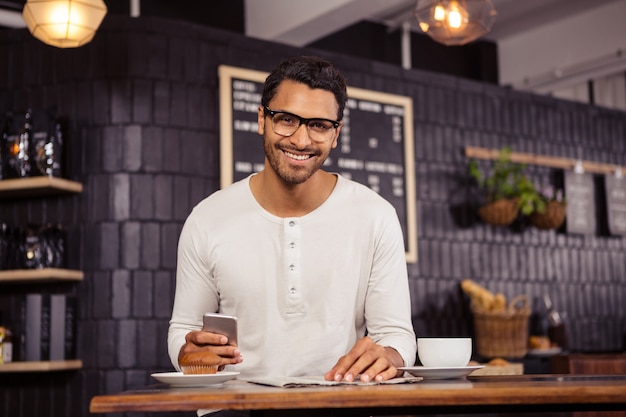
(304, 21)
(542, 44)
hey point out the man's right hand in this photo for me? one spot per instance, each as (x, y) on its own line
(198, 341)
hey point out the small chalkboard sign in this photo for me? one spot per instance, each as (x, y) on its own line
(581, 209)
(375, 146)
(616, 203)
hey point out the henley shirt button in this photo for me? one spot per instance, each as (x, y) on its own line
(292, 267)
(292, 245)
(292, 290)
(292, 223)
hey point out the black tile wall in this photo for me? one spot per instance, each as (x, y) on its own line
(142, 102)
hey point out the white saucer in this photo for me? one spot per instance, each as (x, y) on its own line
(178, 379)
(440, 373)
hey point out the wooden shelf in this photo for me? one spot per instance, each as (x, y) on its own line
(17, 276)
(37, 187)
(43, 366)
(547, 161)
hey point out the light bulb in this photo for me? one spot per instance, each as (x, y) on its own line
(440, 13)
(456, 15)
(454, 19)
(60, 18)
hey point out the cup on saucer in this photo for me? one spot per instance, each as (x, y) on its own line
(444, 352)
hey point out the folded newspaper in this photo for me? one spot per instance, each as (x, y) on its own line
(315, 381)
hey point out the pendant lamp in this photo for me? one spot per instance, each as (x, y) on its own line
(455, 22)
(64, 23)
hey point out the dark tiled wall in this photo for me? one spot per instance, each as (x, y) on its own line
(142, 102)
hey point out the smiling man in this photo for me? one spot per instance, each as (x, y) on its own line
(311, 263)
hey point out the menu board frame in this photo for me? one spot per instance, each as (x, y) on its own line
(227, 152)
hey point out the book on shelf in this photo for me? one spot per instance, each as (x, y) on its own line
(47, 327)
(70, 327)
(57, 327)
(32, 327)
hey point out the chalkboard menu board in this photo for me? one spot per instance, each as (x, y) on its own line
(375, 146)
(616, 203)
(581, 209)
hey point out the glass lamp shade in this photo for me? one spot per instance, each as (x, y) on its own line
(455, 22)
(64, 23)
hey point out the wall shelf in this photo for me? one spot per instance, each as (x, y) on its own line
(29, 188)
(37, 187)
(548, 161)
(41, 366)
(17, 276)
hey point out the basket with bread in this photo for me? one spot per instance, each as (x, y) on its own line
(501, 326)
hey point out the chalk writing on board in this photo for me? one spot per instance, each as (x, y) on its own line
(375, 146)
(581, 212)
(616, 204)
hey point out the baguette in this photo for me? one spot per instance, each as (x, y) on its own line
(482, 298)
(499, 303)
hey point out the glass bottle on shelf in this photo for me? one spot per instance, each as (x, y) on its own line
(6, 342)
(9, 136)
(17, 147)
(6, 345)
(557, 332)
(5, 245)
(3, 144)
(48, 152)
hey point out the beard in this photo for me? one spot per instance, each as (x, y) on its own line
(289, 173)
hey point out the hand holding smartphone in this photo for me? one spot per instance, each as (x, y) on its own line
(221, 324)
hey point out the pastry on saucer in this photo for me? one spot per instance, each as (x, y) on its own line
(196, 363)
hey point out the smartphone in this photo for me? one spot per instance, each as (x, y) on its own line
(222, 324)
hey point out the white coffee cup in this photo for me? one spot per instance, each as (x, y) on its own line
(444, 352)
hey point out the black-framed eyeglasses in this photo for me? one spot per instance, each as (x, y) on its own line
(286, 124)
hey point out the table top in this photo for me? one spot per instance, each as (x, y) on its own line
(554, 392)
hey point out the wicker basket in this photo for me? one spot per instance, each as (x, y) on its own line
(500, 212)
(503, 334)
(552, 218)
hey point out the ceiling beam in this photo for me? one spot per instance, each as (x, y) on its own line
(11, 19)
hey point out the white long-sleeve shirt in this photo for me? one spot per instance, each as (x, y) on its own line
(304, 289)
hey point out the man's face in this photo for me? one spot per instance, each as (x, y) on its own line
(297, 157)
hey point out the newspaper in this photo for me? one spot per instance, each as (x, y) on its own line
(317, 381)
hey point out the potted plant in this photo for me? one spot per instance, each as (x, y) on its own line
(552, 215)
(507, 191)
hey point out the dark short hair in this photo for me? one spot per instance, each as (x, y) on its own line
(311, 71)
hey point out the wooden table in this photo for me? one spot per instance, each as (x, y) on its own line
(523, 393)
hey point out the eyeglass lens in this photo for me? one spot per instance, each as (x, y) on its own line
(286, 124)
